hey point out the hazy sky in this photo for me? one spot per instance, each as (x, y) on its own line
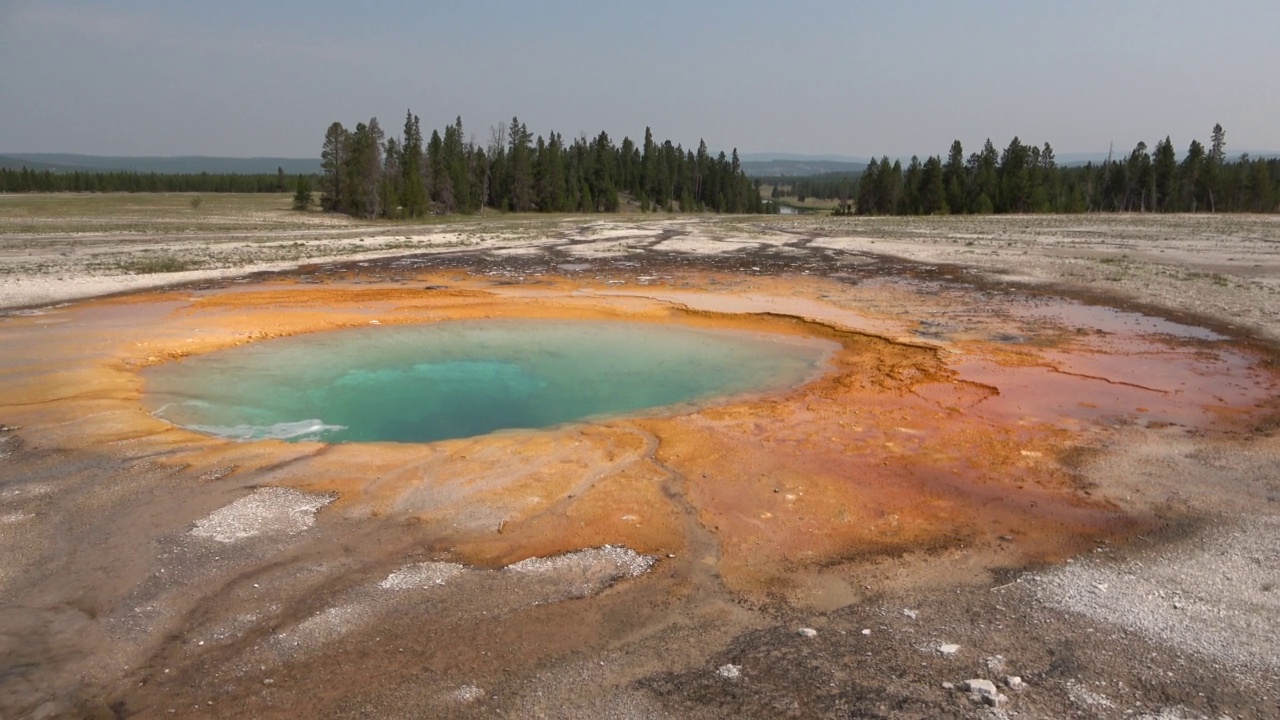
(241, 77)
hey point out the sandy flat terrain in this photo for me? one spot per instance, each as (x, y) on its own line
(1046, 449)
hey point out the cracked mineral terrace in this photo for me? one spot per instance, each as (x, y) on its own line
(1048, 444)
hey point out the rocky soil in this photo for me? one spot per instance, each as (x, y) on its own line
(133, 587)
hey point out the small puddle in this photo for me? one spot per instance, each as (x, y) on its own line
(1110, 320)
(1130, 379)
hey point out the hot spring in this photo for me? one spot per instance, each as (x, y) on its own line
(422, 383)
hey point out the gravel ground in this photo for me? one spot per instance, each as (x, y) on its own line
(267, 511)
(1217, 595)
(262, 608)
(422, 575)
(1223, 267)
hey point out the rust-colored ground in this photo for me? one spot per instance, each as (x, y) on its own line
(907, 445)
(901, 446)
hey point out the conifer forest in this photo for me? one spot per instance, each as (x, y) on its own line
(1027, 179)
(367, 175)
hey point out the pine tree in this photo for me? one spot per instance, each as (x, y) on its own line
(549, 175)
(1263, 187)
(1218, 145)
(701, 171)
(868, 185)
(480, 177)
(364, 170)
(737, 193)
(441, 187)
(521, 168)
(1213, 165)
(986, 181)
(933, 196)
(413, 188)
(1140, 180)
(1015, 189)
(458, 167)
(389, 192)
(333, 160)
(1192, 174)
(649, 166)
(602, 158)
(1164, 173)
(889, 187)
(953, 179)
(302, 194)
(912, 204)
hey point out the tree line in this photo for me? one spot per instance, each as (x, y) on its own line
(1027, 179)
(368, 175)
(26, 180)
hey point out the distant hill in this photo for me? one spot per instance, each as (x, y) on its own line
(8, 162)
(794, 156)
(64, 162)
(779, 167)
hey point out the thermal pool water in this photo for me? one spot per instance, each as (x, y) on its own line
(422, 383)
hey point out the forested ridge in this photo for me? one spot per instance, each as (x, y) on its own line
(24, 180)
(1027, 179)
(366, 174)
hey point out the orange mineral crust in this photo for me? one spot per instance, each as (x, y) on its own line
(903, 444)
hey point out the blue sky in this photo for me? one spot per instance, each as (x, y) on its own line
(151, 77)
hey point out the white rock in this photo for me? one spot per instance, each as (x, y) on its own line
(984, 691)
(1014, 682)
(1087, 698)
(422, 575)
(467, 694)
(911, 613)
(266, 511)
(808, 632)
(587, 572)
(622, 561)
(980, 687)
(866, 631)
(949, 649)
(729, 672)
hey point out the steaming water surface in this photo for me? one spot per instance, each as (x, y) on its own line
(459, 379)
